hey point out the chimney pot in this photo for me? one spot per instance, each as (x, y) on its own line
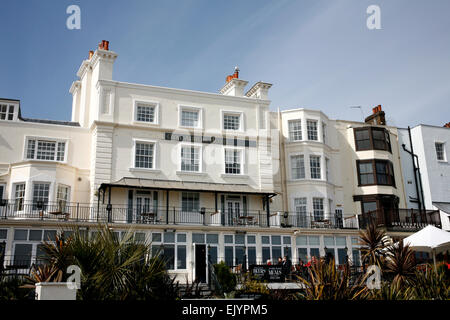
(447, 125)
(91, 53)
(104, 45)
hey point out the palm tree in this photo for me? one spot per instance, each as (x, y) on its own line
(373, 243)
(325, 282)
(400, 263)
(113, 268)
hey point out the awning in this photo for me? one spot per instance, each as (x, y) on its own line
(443, 206)
(139, 183)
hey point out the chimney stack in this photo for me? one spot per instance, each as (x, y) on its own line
(235, 75)
(377, 117)
(447, 125)
(104, 45)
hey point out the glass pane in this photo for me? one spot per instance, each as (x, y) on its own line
(251, 251)
(229, 257)
(181, 257)
(35, 235)
(286, 240)
(20, 234)
(239, 239)
(169, 237)
(341, 241)
(302, 255)
(313, 240)
(156, 237)
(265, 254)
(356, 258)
(212, 238)
(3, 234)
(181, 237)
(139, 236)
(22, 255)
(49, 235)
(240, 252)
(276, 239)
(228, 239)
(276, 253)
(302, 241)
(265, 239)
(328, 241)
(314, 252)
(251, 239)
(169, 256)
(342, 255)
(213, 254)
(198, 238)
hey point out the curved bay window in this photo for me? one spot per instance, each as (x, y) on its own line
(372, 138)
(375, 172)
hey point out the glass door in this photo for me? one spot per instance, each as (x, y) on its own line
(143, 206)
(233, 206)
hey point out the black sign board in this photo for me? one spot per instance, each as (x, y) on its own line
(266, 272)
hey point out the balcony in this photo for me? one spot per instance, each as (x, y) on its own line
(401, 219)
(78, 212)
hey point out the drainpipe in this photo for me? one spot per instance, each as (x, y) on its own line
(416, 171)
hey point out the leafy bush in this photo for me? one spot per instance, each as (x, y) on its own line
(225, 277)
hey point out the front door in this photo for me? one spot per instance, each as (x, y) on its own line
(200, 262)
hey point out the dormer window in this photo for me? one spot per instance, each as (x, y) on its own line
(47, 150)
(6, 112)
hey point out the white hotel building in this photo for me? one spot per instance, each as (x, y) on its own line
(196, 173)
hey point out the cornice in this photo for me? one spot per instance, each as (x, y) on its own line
(256, 86)
(76, 85)
(229, 99)
(234, 82)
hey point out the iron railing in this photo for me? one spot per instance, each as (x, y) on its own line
(403, 219)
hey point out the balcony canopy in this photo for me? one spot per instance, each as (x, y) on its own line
(139, 183)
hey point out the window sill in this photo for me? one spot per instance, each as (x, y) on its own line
(442, 161)
(145, 123)
(145, 170)
(230, 175)
(192, 173)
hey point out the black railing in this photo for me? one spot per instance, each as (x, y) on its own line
(401, 219)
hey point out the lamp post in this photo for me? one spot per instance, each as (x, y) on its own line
(244, 263)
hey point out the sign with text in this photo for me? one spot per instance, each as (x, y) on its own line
(266, 272)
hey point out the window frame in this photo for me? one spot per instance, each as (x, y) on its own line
(224, 113)
(182, 108)
(176, 244)
(320, 166)
(444, 155)
(291, 156)
(36, 140)
(155, 104)
(155, 149)
(200, 161)
(298, 132)
(242, 160)
(316, 131)
(389, 173)
(386, 134)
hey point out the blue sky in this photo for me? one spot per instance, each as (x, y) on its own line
(317, 53)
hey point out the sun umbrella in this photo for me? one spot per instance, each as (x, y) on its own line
(429, 239)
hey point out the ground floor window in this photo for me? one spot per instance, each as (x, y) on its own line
(171, 247)
(240, 249)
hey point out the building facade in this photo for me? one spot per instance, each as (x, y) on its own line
(196, 174)
(424, 155)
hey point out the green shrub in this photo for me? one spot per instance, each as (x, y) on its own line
(225, 277)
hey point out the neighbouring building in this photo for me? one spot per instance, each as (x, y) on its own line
(198, 174)
(424, 155)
